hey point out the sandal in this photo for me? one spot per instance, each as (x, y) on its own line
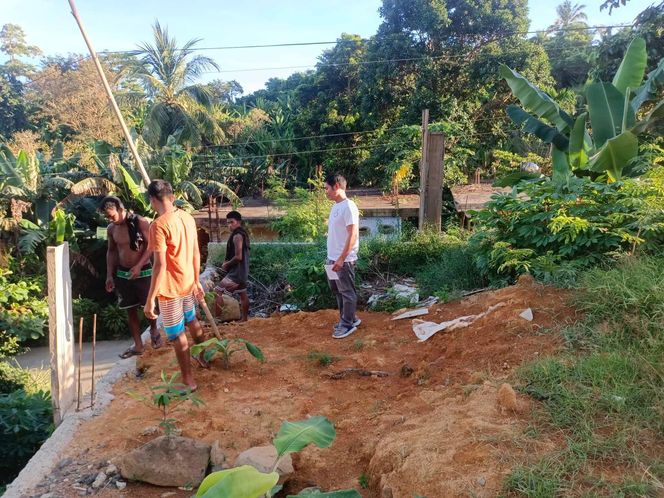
(156, 341)
(129, 352)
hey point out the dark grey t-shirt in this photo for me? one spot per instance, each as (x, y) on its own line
(240, 272)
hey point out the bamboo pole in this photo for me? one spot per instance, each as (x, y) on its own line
(80, 360)
(94, 345)
(109, 93)
(209, 317)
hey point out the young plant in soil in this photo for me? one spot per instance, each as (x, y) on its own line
(225, 348)
(247, 482)
(167, 398)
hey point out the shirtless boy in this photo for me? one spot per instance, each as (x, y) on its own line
(128, 267)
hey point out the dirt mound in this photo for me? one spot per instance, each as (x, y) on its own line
(432, 426)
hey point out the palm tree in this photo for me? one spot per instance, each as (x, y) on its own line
(180, 107)
(569, 15)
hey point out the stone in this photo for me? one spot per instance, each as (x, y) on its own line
(149, 431)
(229, 311)
(481, 481)
(527, 314)
(217, 457)
(172, 461)
(120, 485)
(111, 470)
(262, 458)
(507, 398)
(99, 480)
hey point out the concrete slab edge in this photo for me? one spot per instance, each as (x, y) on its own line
(42, 463)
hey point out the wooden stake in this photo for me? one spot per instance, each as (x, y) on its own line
(94, 345)
(216, 214)
(424, 169)
(80, 360)
(109, 94)
(210, 216)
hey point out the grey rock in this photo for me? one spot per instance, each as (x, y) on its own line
(120, 485)
(167, 461)
(217, 457)
(262, 458)
(99, 480)
(65, 463)
(111, 470)
(150, 431)
(87, 479)
(481, 481)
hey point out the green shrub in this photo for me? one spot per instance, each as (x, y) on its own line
(308, 282)
(456, 271)
(12, 378)
(114, 322)
(26, 421)
(586, 222)
(270, 262)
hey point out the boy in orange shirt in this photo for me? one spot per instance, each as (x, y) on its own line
(175, 283)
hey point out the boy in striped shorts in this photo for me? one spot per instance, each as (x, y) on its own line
(175, 283)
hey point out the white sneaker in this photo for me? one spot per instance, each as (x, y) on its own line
(340, 333)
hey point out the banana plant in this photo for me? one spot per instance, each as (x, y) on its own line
(612, 111)
(247, 482)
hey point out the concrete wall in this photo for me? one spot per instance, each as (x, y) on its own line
(61, 331)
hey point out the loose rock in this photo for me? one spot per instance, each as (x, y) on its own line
(217, 457)
(120, 485)
(167, 461)
(99, 480)
(507, 398)
(262, 458)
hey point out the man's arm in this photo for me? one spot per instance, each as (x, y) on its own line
(238, 241)
(352, 232)
(144, 227)
(158, 277)
(199, 293)
(111, 258)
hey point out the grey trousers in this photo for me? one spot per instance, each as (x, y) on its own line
(344, 291)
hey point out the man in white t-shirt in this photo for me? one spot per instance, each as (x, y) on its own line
(342, 246)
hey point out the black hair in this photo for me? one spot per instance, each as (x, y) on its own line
(160, 190)
(110, 199)
(234, 215)
(333, 178)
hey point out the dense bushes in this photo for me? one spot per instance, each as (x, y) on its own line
(25, 423)
(540, 227)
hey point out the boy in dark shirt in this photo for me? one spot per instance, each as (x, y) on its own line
(236, 264)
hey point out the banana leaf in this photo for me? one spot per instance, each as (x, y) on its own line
(293, 436)
(648, 91)
(561, 167)
(535, 100)
(546, 133)
(239, 482)
(606, 110)
(653, 116)
(578, 157)
(615, 154)
(633, 66)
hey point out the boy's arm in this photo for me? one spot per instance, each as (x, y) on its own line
(144, 227)
(111, 259)
(158, 277)
(238, 241)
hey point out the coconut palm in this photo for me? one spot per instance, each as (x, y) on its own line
(569, 15)
(179, 106)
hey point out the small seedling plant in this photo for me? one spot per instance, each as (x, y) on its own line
(225, 348)
(247, 482)
(168, 397)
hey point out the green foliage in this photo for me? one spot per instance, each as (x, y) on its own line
(603, 393)
(113, 320)
(539, 226)
(167, 398)
(612, 110)
(363, 481)
(306, 210)
(225, 348)
(247, 482)
(26, 421)
(392, 303)
(308, 281)
(454, 272)
(12, 378)
(23, 311)
(320, 358)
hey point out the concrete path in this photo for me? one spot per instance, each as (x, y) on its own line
(106, 355)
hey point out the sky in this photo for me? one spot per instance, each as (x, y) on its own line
(122, 24)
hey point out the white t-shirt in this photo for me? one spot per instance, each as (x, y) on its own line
(343, 213)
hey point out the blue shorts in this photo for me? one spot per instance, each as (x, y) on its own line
(175, 313)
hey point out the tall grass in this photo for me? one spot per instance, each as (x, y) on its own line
(606, 392)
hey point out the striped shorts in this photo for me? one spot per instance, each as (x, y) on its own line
(175, 313)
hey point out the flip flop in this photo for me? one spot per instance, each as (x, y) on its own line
(200, 363)
(129, 352)
(156, 341)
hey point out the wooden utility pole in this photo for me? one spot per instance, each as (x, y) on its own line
(109, 93)
(423, 166)
(433, 204)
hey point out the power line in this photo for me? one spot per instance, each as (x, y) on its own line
(299, 44)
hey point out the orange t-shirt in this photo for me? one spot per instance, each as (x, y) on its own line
(175, 234)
